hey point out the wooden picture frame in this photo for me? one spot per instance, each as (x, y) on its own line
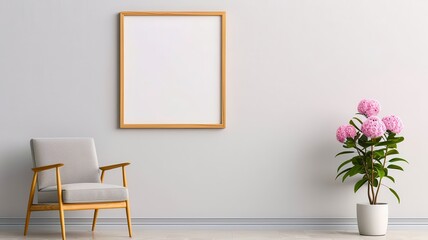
(172, 69)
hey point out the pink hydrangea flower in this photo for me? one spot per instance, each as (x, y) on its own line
(341, 134)
(350, 131)
(344, 132)
(369, 107)
(393, 123)
(373, 127)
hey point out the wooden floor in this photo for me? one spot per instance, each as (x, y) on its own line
(43, 232)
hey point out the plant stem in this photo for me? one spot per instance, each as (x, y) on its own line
(372, 171)
(368, 192)
(366, 175)
(380, 180)
(359, 151)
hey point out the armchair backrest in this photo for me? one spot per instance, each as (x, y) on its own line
(77, 154)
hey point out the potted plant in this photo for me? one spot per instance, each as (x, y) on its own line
(372, 142)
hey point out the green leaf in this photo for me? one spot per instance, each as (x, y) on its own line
(397, 139)
(354, 170)
(361, 122)
(391, 134)
(380, 172)
(395, 194)
(344, 152)
(391, 152)
(398, 160)
(385, 143)
(359, 184)
(357, 160)
(342, 172)
(378, 154)
(391, 142)
(391, 178)
(392, 145)
(376, 140)
(343, 164)
(393, 166)
(349, 143)
(378, 160)
(345, 176)
(353, 124)
(363, 141)
(376, 182)
(378, 165)
(368, 161)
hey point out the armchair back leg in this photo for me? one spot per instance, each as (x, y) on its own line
(27, 222)
(95, 219)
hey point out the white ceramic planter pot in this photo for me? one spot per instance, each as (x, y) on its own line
(372, 219)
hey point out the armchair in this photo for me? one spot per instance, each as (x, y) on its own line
(78, 186)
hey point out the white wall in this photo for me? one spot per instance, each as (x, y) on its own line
(295, 71)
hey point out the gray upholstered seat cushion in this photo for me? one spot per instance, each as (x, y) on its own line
(84, 192)
(77, 154)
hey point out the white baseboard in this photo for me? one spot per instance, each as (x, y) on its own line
(259, 223)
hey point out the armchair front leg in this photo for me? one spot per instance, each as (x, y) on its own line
(125, 184)
(30, 202)
(36, 170)
(61, 210)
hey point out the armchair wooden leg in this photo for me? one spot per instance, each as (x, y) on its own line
(128, 210)
(128, 218)
(30, 202)
(61, 219)
(61, 209)
(95, 219)
(27, 222)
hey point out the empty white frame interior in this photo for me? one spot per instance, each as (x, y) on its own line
(172, 70)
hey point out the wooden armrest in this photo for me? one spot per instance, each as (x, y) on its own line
(43, 168)
(109, 167)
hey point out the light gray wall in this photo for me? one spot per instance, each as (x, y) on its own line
(295, 71)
